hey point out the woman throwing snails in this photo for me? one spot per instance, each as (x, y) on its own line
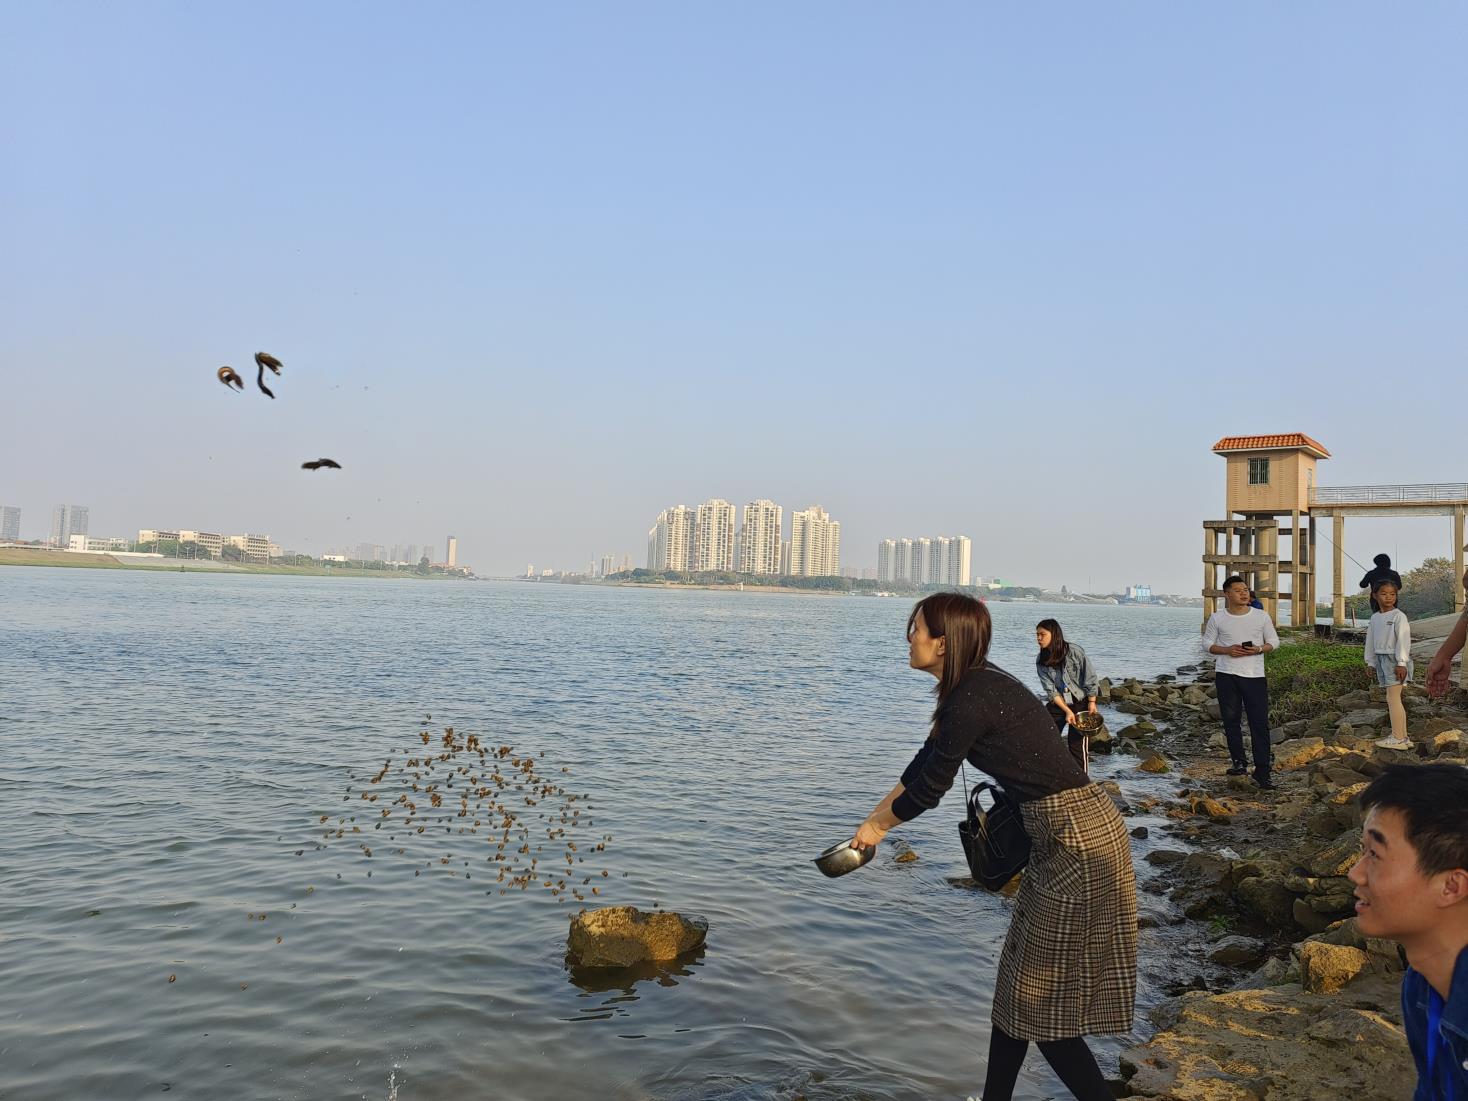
(1069, 964)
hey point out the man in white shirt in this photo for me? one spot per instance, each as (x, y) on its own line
(1239, 636)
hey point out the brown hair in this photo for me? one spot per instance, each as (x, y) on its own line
(1054, 654)
(964, 623)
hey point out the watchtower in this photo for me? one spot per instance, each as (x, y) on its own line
(1268, 478)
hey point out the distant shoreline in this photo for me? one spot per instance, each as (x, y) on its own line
(22, 556)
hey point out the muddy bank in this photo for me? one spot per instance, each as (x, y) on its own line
(1274, 994)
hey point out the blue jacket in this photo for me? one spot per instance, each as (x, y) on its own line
(1074, 678)
(1450, 1070)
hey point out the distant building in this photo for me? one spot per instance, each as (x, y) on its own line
(785, 558)
(427, 552)
(713, 539)
(869, 573)
(1139, 594)
(66, 521)
(9, 523)
(333, 558)
(204, 540)
(670, 542)
(451, 553)
(608, 565)
(815, 543)
(86, 544)
(759, 538)
(945, 560)
(887, 560)
(252, 548)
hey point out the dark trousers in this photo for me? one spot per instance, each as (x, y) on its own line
(1245, 695)
(1078, 742)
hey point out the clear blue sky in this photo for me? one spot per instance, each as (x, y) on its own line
(537, 273)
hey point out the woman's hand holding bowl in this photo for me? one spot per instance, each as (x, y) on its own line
(868, 836)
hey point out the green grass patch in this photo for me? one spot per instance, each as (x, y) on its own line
(1306, 677)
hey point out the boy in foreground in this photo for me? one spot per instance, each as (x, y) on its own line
(1412, 887)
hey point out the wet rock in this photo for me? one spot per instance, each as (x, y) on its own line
(1327, 968)
(621, 936)
(1129, 706)
(1166, 856)
(1237, 951)
(1139, 831)
(905, 857)
(1307, 919)
(1211, 808)
(1113, 789)
(1154, 762)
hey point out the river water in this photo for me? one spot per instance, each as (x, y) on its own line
(170, 742)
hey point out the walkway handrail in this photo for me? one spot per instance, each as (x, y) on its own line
(1447, 493)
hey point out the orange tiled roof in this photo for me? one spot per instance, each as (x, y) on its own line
(1269, 443)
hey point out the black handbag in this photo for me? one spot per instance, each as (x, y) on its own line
(995, 840)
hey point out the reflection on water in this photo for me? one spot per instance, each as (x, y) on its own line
(623, 981)
(167, 763)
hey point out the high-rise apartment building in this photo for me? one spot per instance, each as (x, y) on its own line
(451, 554)
(922, 551)
(670, 542)
(759, 537)
(946, 560)
(608, 565)
(887, 560)
(785, 558)
(713, 539)
(815, 543)
(9, 523)
(902, 561)
(66, 521)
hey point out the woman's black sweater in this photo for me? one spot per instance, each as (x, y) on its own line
(998, 725)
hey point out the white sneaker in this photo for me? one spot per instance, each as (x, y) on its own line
(1392, 743)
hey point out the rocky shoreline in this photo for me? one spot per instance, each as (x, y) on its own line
(1277, 995)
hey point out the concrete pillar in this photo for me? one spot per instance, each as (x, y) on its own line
(1458, 535)
(1338, 569)
(1210, 573)
(1314, 573)
(1297, 588)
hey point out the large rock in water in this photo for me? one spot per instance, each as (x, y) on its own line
(620, 936)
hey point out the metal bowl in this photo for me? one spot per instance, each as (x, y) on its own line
(842, 858)
(1088, 722)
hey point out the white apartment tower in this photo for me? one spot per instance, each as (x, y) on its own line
(902, 562)
(713, 541)
(451, 551)
(887, 560)
(815, 544)
(759, 538)
(670, 540)
(922, 561)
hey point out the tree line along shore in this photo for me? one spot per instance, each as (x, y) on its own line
(1276, 992)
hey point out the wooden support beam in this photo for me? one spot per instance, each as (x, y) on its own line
(1338, 600)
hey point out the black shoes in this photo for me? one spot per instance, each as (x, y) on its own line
(1237, 770)
(1264, 782)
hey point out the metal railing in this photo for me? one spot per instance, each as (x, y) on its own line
(1449, 493)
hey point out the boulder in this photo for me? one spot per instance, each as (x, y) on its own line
(1130, 707)
(621, 936)
(1327, 968)
(1268, 900)
(1367, 718)
(1336, 858)
(1139, 832)
(1448, 742)
(1103, 690)
(1307, 919)
(1236, 951)
(1298, 752)
(1212, 708)
(1277, 1043)
(1154, 762)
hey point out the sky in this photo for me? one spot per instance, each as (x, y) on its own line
(537, 272)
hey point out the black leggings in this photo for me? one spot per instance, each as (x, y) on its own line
(1071, 1060)
(1077, 741)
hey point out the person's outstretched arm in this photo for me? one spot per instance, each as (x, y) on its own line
(1442, 661)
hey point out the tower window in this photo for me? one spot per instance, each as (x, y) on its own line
(1258, 472)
